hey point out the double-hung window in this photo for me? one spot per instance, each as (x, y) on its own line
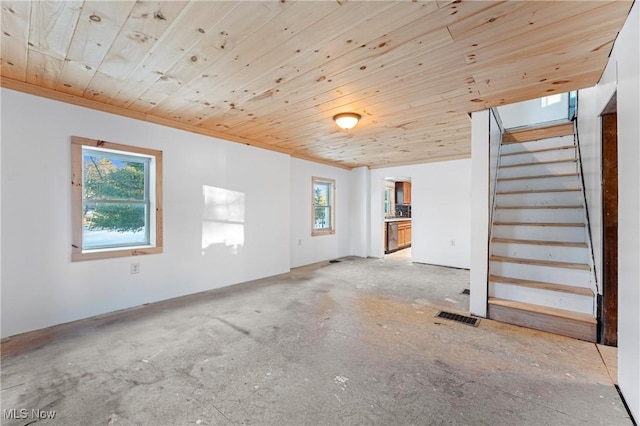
(116, 200)
(388, 202)
(323, 206)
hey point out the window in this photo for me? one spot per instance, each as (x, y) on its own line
(388, 201)
(116, 200)
(550, 100)
(323, 206)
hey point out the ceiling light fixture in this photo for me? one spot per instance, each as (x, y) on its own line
(347, 120)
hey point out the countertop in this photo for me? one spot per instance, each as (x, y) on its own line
(396, 219)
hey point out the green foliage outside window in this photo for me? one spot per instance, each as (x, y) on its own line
(321, 206)
(122, 184)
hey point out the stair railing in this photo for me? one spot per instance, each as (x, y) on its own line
(492, 207)
(494, 111)
(576, 139)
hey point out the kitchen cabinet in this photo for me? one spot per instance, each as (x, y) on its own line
(397, 235)
(404, 234)
(386, 238)
(403, 192)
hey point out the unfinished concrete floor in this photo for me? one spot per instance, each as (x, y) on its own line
(354, 342)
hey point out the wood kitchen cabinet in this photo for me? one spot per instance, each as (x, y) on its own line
(386, 238)
(404, 234)
(397, 235)
(403, 192)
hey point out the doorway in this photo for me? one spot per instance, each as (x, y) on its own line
(397, 214)
(609, 305)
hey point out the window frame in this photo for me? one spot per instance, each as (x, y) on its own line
(331, 204)
(389, 195)
(154, 181)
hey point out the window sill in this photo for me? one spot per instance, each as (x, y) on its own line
(111, 253)
(322, 232)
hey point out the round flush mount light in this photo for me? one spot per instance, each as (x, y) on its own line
(347, 120)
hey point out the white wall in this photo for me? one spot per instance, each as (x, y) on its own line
(480, 225)
(626, 54)
(621, 76)
(1, 205)
(359, 210)
(306, 249)
(590, 139)
(532, 112)
(40, 284)
(440, 211)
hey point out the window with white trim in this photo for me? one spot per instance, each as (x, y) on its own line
(323, 219)
(388, 202)
(116, 200)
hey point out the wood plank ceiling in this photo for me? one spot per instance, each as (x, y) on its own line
(273, 73)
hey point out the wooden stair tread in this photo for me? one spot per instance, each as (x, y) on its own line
(529, 307)
(533, 151)
(536, 133)
(583, 291)
(539, 163)
(539, 242)
(568, 224)
(551, 263)
(537, 191)
(540, 176)
(537, 207)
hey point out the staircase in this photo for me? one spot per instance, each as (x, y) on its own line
(540, 273)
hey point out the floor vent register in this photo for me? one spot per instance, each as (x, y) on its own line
(459, 318)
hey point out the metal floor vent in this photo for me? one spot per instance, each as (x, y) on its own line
(466, 291)
(459, 318)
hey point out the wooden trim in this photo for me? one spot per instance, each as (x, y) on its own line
(76, 199)
(561, 313)
(528, 135)
(610, 229)
(551, 263)
(582, 291)
(568, 224)
(536, 207)
(567, 323)
(77, 253)
(539, 242)
(77, 140)
(44, 92)
(540, 163)
(332, 207)
(423, 161)
(540, 176)
(158, 204)
(533, 151)
(108, 254)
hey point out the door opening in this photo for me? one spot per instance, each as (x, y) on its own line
(397, 214)
(609, 305)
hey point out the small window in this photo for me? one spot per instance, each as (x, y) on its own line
(550, 100)
(388, 201)
(323, 206)
(116, 200)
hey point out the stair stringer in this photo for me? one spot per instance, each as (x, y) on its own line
(594, 280)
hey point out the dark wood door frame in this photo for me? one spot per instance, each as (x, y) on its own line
(609, 307)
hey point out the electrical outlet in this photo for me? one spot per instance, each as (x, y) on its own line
(299, 242)
(453, 243)
(135, 268)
